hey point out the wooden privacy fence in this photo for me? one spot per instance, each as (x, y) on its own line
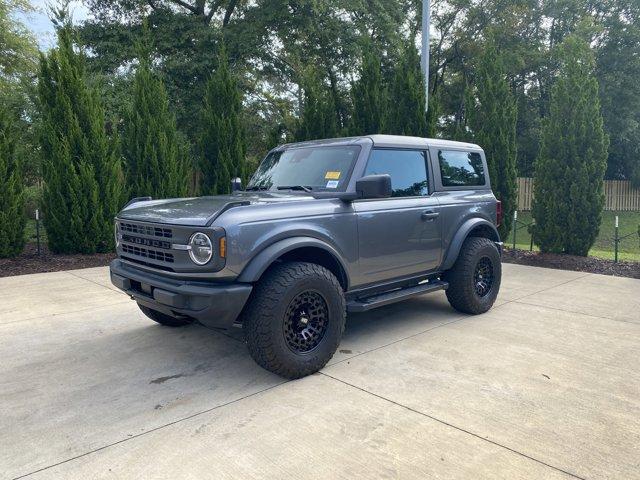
(619, 195)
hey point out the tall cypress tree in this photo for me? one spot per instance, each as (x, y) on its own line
(222, 141)
(492, 119)
(318, 117)
(156, 166)
(568, 192)
(82, 173)
(407, 99)
(12, 217)
(368, 97)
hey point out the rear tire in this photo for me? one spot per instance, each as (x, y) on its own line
(474, 280)
(163, 319)
(295, 319)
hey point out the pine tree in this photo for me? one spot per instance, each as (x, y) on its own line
(319, 117)
(12, 216)
(156, 165)
(82, 173)
(407, 99)
(368, 97)
(493, 124)
(569, 171)
(222, 141)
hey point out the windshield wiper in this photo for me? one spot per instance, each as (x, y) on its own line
(255, 189)
(296, 187)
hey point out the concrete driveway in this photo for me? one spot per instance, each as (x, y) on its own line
(546, 385)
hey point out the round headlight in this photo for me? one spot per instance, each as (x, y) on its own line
(201, 249)
(117, 234)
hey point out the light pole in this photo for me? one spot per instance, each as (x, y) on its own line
(426, 22)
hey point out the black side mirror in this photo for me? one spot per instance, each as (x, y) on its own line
(374, 186)
(236, 185)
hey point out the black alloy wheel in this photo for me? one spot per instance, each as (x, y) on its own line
(305, 322)
(483, 277)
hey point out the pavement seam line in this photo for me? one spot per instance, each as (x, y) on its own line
(468, 432)
(575, 312)
(155, 429)
(95, 283)
(457, 319)
(51, 315)
(549, 288)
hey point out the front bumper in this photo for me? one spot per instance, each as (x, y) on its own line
(215, 305)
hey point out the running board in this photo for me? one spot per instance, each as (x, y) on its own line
(369, 303)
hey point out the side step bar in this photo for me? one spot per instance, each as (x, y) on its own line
(369, 303)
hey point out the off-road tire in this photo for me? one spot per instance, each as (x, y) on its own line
(462, 294)
(264, 318)
(163, 319)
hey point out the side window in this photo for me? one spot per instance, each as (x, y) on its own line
(408, 170)
(461, 169)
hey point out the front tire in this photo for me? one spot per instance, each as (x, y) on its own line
(474, 280)
(295, 319)
(163, 319)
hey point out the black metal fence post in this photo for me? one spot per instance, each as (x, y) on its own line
(515, 227)
(38, 229)
(616, 240)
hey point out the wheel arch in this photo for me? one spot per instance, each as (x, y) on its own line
(474, 227)
(302, 249)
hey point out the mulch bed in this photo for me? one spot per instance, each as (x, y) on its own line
(30, 262)
(571, 262)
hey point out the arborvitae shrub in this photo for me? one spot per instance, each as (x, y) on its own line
(569, 171)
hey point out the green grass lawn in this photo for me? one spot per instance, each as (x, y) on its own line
(603, 248)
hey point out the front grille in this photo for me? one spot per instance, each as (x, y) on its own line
(146, 230)
(147, 242)
(147, 253)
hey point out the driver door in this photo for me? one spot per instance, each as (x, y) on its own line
(399, 236)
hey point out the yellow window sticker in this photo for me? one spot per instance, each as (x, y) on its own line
(332, 176)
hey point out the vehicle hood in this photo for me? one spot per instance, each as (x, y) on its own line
(201, 211)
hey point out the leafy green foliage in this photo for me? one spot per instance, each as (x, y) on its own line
(18, 51)
(83, 178)
(12, 218)
(493, 122)
(156, 166)
(618, 71)
(569, 173)
(222, 140)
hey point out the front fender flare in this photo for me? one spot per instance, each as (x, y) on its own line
(263, 260)
(461, 235)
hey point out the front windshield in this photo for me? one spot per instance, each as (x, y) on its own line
(312, 168)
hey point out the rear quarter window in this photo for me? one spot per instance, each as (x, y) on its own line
(461, 169)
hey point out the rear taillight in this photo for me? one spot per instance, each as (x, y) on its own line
(499, 213)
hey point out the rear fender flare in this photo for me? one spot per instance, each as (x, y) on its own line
(465, 231)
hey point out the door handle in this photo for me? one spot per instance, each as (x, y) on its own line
(429, 215)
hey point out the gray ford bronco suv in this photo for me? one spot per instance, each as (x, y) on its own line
(323, 228)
